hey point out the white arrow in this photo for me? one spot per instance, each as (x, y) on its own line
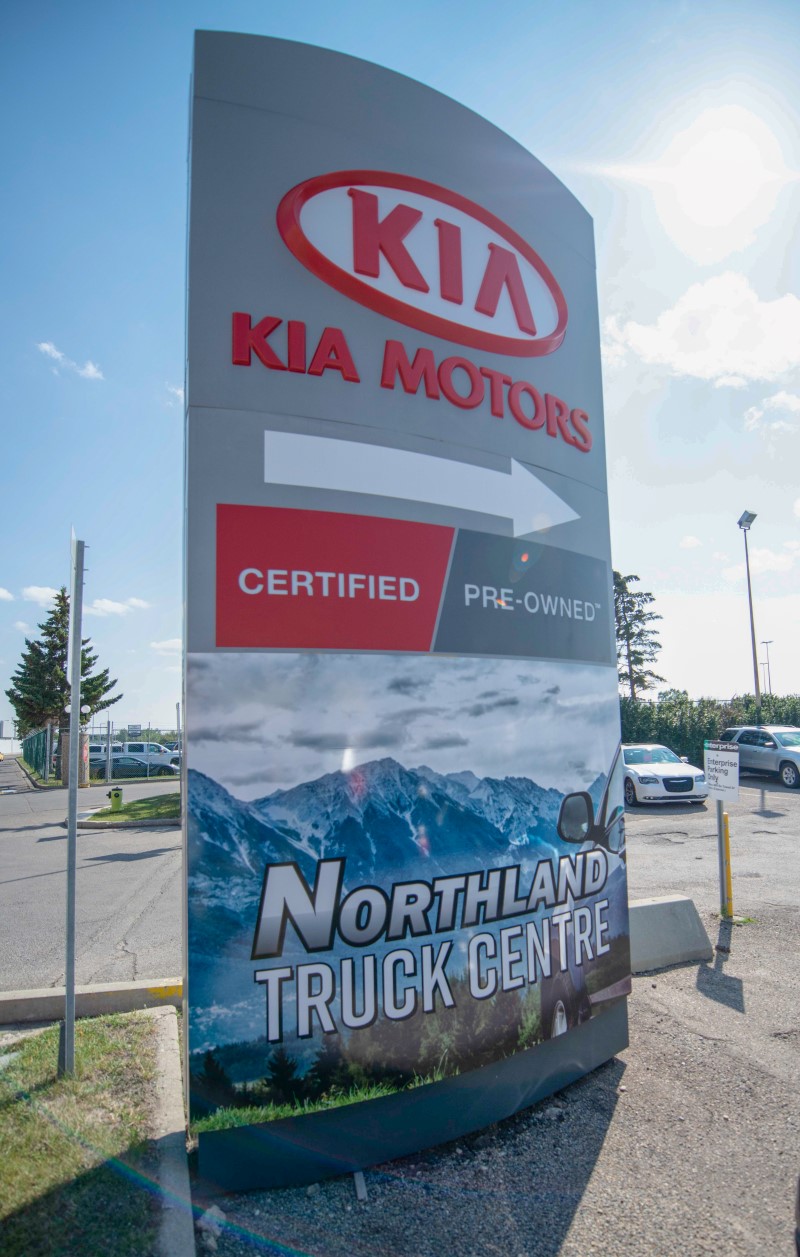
(319, 462)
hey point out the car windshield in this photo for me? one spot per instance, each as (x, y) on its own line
(789, 738)
(650, 755)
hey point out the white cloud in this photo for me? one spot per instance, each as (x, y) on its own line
(22, 626)
(761, 561)
(175, 392)
(719, 331)
(5, 596)
(89, 370)
(689, 543)
(721, 557)
(41, 594)
(169, 647)
(797, 507)
(785, 405)
(108, 606)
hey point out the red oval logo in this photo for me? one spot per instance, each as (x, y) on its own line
(426, 257)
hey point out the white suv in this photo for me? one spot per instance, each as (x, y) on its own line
(153, 753)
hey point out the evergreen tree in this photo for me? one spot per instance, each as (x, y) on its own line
(637, 642)
(283, 1077)
(216, 1085)
(40, 690)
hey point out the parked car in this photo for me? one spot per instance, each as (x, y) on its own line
(123, 765)
(773, 749)
(153, 752)
(655, 774)
(98, 749)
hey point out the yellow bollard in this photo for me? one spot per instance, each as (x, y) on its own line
(726, 838)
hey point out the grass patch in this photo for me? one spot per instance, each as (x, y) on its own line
(54, 782)
(73, 1150)
(159, 808)
(247, 1115)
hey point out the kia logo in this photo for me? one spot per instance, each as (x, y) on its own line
(426, 257)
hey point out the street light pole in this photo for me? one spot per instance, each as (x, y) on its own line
(769, 670)
(744, 523)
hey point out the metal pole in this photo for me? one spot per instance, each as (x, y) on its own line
(721, 858)
(726, 838)
(76, 616)
(752, 630)
(108, 750)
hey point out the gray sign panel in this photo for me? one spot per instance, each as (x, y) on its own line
(404, 795)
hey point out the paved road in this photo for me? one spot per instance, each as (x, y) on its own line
(128, 890)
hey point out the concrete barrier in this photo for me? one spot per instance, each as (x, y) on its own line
(47, 1004)
(666, 931)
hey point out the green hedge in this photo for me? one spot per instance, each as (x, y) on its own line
(683, 724)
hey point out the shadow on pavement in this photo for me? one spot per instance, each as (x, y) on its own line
(684, 810)
(713, 982)
(126, 857)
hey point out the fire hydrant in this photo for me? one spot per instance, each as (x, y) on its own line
(115, 795)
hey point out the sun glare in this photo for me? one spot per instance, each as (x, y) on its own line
(716, 182)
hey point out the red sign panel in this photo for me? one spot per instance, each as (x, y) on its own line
(317, 580)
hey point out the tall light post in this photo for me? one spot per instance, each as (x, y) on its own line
(745, 523)
(769, 670)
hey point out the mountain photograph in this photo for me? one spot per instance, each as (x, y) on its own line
(428, 803)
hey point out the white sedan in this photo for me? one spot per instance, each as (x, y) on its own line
(655, 774)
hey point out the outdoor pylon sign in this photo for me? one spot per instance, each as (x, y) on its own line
(405, 851)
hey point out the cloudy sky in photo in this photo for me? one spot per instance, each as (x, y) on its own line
(258, 723)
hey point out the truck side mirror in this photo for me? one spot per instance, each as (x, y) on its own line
(576, 818)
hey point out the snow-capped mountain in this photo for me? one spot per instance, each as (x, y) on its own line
(387, 818)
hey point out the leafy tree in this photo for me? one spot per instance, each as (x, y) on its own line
(40, 689)
(637, 642)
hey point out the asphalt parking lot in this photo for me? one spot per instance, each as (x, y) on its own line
(128, 908)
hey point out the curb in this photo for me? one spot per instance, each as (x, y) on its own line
(176, 1226)
(666, 931)
(37, 785)
(47, 1004)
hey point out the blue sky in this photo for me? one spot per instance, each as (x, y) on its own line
(673, 123)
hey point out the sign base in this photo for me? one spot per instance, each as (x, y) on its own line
(292, 1152)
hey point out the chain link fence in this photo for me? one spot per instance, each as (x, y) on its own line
(132, 752)
(37, 752)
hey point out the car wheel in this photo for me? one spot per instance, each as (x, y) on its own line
(790, 776)
(630, 793)
(558, 1007)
